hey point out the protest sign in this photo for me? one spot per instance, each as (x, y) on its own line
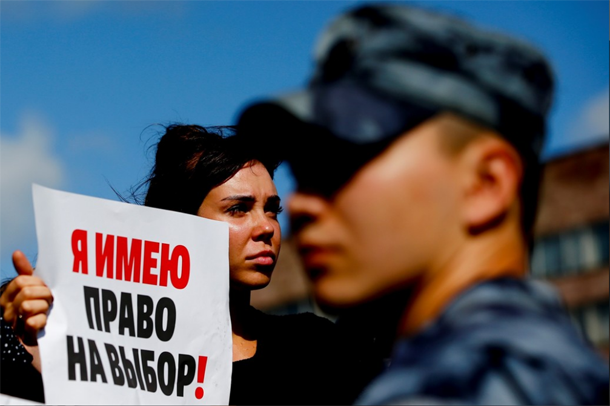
(11, 400)
(140, 312)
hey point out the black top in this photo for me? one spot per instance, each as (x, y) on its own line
(18, 377)
(300, 359)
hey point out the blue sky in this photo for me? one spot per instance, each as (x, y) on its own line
(81, 82)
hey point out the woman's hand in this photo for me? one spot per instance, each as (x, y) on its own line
(26, 301)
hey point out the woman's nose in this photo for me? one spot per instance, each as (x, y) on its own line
(264, 228)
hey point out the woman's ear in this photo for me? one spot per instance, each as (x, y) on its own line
(492, 177)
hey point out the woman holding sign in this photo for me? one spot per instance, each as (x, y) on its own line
(293, 359)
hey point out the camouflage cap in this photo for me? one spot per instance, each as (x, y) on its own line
(381, 69)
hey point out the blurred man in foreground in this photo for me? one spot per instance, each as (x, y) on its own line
(416, 152)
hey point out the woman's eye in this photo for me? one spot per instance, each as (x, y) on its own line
(238, 208)
(275, 210)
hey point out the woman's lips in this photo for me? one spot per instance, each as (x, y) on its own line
(263, 258)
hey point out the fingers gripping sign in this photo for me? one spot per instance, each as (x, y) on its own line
(26, 301)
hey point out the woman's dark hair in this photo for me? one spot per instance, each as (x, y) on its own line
(191, 160)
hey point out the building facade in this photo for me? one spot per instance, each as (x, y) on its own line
(571, 249)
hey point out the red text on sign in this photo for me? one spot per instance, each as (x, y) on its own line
(133, 260)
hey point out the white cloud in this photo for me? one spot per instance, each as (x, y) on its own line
(592, 123)
(597, 115)
(92, 142)
(74, 10)
(26, 11)
(25, 158)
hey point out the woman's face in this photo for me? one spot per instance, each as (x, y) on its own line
(250, 204)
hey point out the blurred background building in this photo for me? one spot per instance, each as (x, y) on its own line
(571, 249)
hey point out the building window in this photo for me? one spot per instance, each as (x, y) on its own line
(601, 234)
(571, 252)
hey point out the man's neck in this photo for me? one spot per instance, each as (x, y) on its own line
(478, 261)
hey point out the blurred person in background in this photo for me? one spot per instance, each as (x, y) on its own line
(291, 359)
(415, 148)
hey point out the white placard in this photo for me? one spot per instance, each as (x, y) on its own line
(11, 400)
(140, 312)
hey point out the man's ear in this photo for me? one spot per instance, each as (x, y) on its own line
(492, 177)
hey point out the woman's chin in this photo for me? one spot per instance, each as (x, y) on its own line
(251, 280)
(258, 287)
